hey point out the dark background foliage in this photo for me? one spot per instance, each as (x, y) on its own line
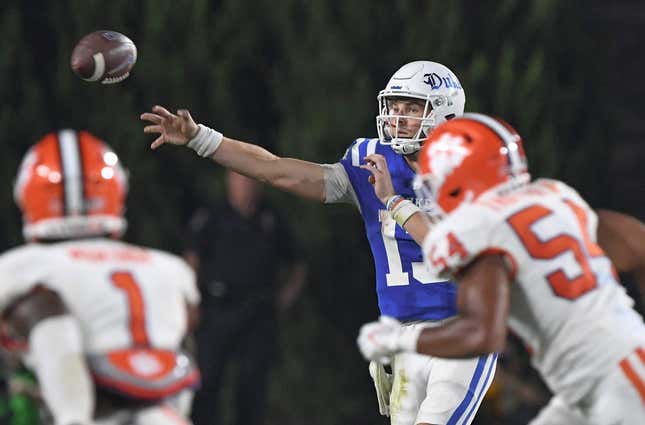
(301, 78)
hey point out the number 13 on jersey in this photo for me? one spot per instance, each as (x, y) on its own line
(396, 276)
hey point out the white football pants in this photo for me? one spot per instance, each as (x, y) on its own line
(438, 391)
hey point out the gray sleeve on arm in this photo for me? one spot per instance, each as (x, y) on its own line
(337, 185)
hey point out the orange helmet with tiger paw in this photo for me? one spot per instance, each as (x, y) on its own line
(69, 185)
(467, 156)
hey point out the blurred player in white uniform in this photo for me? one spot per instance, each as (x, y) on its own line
(419, 95)
(527, 254)
(99, 321)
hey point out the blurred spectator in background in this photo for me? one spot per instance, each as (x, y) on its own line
(248, 271)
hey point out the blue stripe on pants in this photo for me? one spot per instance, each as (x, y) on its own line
(483, 391)
(479, 371)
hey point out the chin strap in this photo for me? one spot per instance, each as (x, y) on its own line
(406, 148)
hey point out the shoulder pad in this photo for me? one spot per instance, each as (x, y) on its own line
(359, 149)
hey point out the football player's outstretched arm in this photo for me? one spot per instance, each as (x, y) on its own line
(302, 178)
(622, 238)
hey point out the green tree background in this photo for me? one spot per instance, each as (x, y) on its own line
(300, 78)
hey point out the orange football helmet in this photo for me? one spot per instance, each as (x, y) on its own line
(467, 156)
(71, 184)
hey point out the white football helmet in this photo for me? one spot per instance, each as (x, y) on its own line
(429, 81)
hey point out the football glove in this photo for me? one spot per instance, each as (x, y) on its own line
(379, 341)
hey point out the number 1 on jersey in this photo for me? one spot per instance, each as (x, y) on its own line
(396, 276)
(126, 282)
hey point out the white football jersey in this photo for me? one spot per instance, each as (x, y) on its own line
(123, 295)
(566, 304)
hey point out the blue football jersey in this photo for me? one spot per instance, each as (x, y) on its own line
(404, 287)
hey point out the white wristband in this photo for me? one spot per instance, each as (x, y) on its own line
(392, 200)
(402, 211)
(206, 141)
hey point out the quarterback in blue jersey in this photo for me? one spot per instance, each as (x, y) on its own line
(422, 390)
(401, 279)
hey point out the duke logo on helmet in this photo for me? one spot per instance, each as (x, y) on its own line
(435, 81)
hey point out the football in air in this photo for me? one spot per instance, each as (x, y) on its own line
(105, 56)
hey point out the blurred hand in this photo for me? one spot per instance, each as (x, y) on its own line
(380, 178)
(379, 341)
(174, 129)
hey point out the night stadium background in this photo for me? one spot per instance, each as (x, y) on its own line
(301, 79)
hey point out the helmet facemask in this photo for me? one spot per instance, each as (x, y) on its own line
(387, 123)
